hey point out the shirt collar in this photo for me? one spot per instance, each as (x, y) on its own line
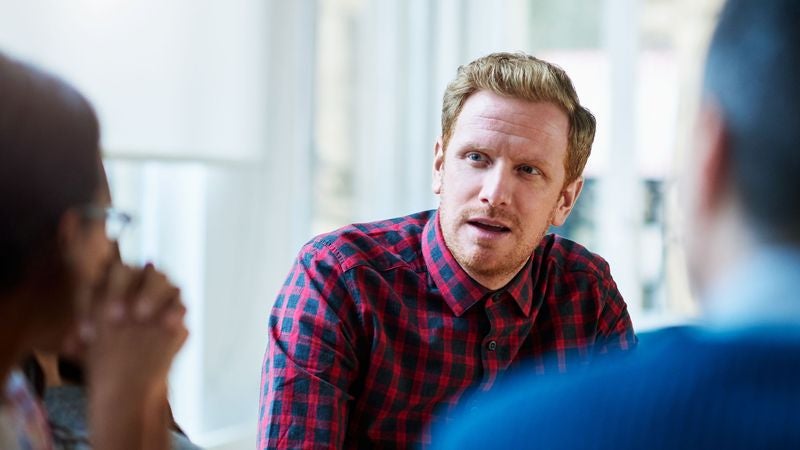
(458, 289)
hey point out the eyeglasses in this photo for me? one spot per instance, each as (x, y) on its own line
(115, 221)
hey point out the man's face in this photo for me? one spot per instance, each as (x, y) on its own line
(501, 183)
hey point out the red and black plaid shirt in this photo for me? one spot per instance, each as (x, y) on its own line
(377, 328)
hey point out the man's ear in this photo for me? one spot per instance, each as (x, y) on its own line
(566, 201)
(713, 171)
(438, 166)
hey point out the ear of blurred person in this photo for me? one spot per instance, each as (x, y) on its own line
(57, 273)
(731, 381)
(715, 218)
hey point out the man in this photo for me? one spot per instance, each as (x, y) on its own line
(380, 326)
(732, 383)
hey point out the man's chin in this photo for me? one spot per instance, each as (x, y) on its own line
(487, 268)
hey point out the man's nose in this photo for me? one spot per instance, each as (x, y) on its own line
(496, 189)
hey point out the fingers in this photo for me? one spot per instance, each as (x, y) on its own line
(146, 297)
(120, 279)
(142, 295)
(109, 300)
(155, 295)
(173, 320)
(139, 294)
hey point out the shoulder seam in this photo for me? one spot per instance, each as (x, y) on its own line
(345, 268)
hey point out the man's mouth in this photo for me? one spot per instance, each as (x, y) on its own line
(489, 225)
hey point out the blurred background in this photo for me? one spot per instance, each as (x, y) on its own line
(236, 130)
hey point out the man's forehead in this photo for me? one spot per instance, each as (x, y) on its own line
(522, 125)
(484, 105)
(495, 116)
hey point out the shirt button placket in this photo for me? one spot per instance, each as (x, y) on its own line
(492, 345)
(491, 365)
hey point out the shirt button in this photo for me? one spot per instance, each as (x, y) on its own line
(496, 296)
(492, 346)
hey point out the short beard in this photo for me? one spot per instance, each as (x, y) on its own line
(508, 265)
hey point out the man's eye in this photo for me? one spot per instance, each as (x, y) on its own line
(474, 157)
(530, 170)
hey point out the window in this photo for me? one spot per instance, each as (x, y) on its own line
(236, 130)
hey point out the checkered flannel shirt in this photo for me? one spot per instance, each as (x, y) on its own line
(378, 330)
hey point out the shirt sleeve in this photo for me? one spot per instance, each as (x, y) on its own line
(311, 360)
(615, 330)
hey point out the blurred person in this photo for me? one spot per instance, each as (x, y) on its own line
(380, 324)
(56, 273)
(731, 382)
(59, 381)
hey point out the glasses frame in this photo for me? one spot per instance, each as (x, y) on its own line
(114, 220)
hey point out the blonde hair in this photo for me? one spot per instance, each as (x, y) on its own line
(523, 76)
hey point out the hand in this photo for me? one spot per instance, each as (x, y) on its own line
(132, 334)
(135, 328)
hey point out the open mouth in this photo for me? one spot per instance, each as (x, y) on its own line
(492, 227)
